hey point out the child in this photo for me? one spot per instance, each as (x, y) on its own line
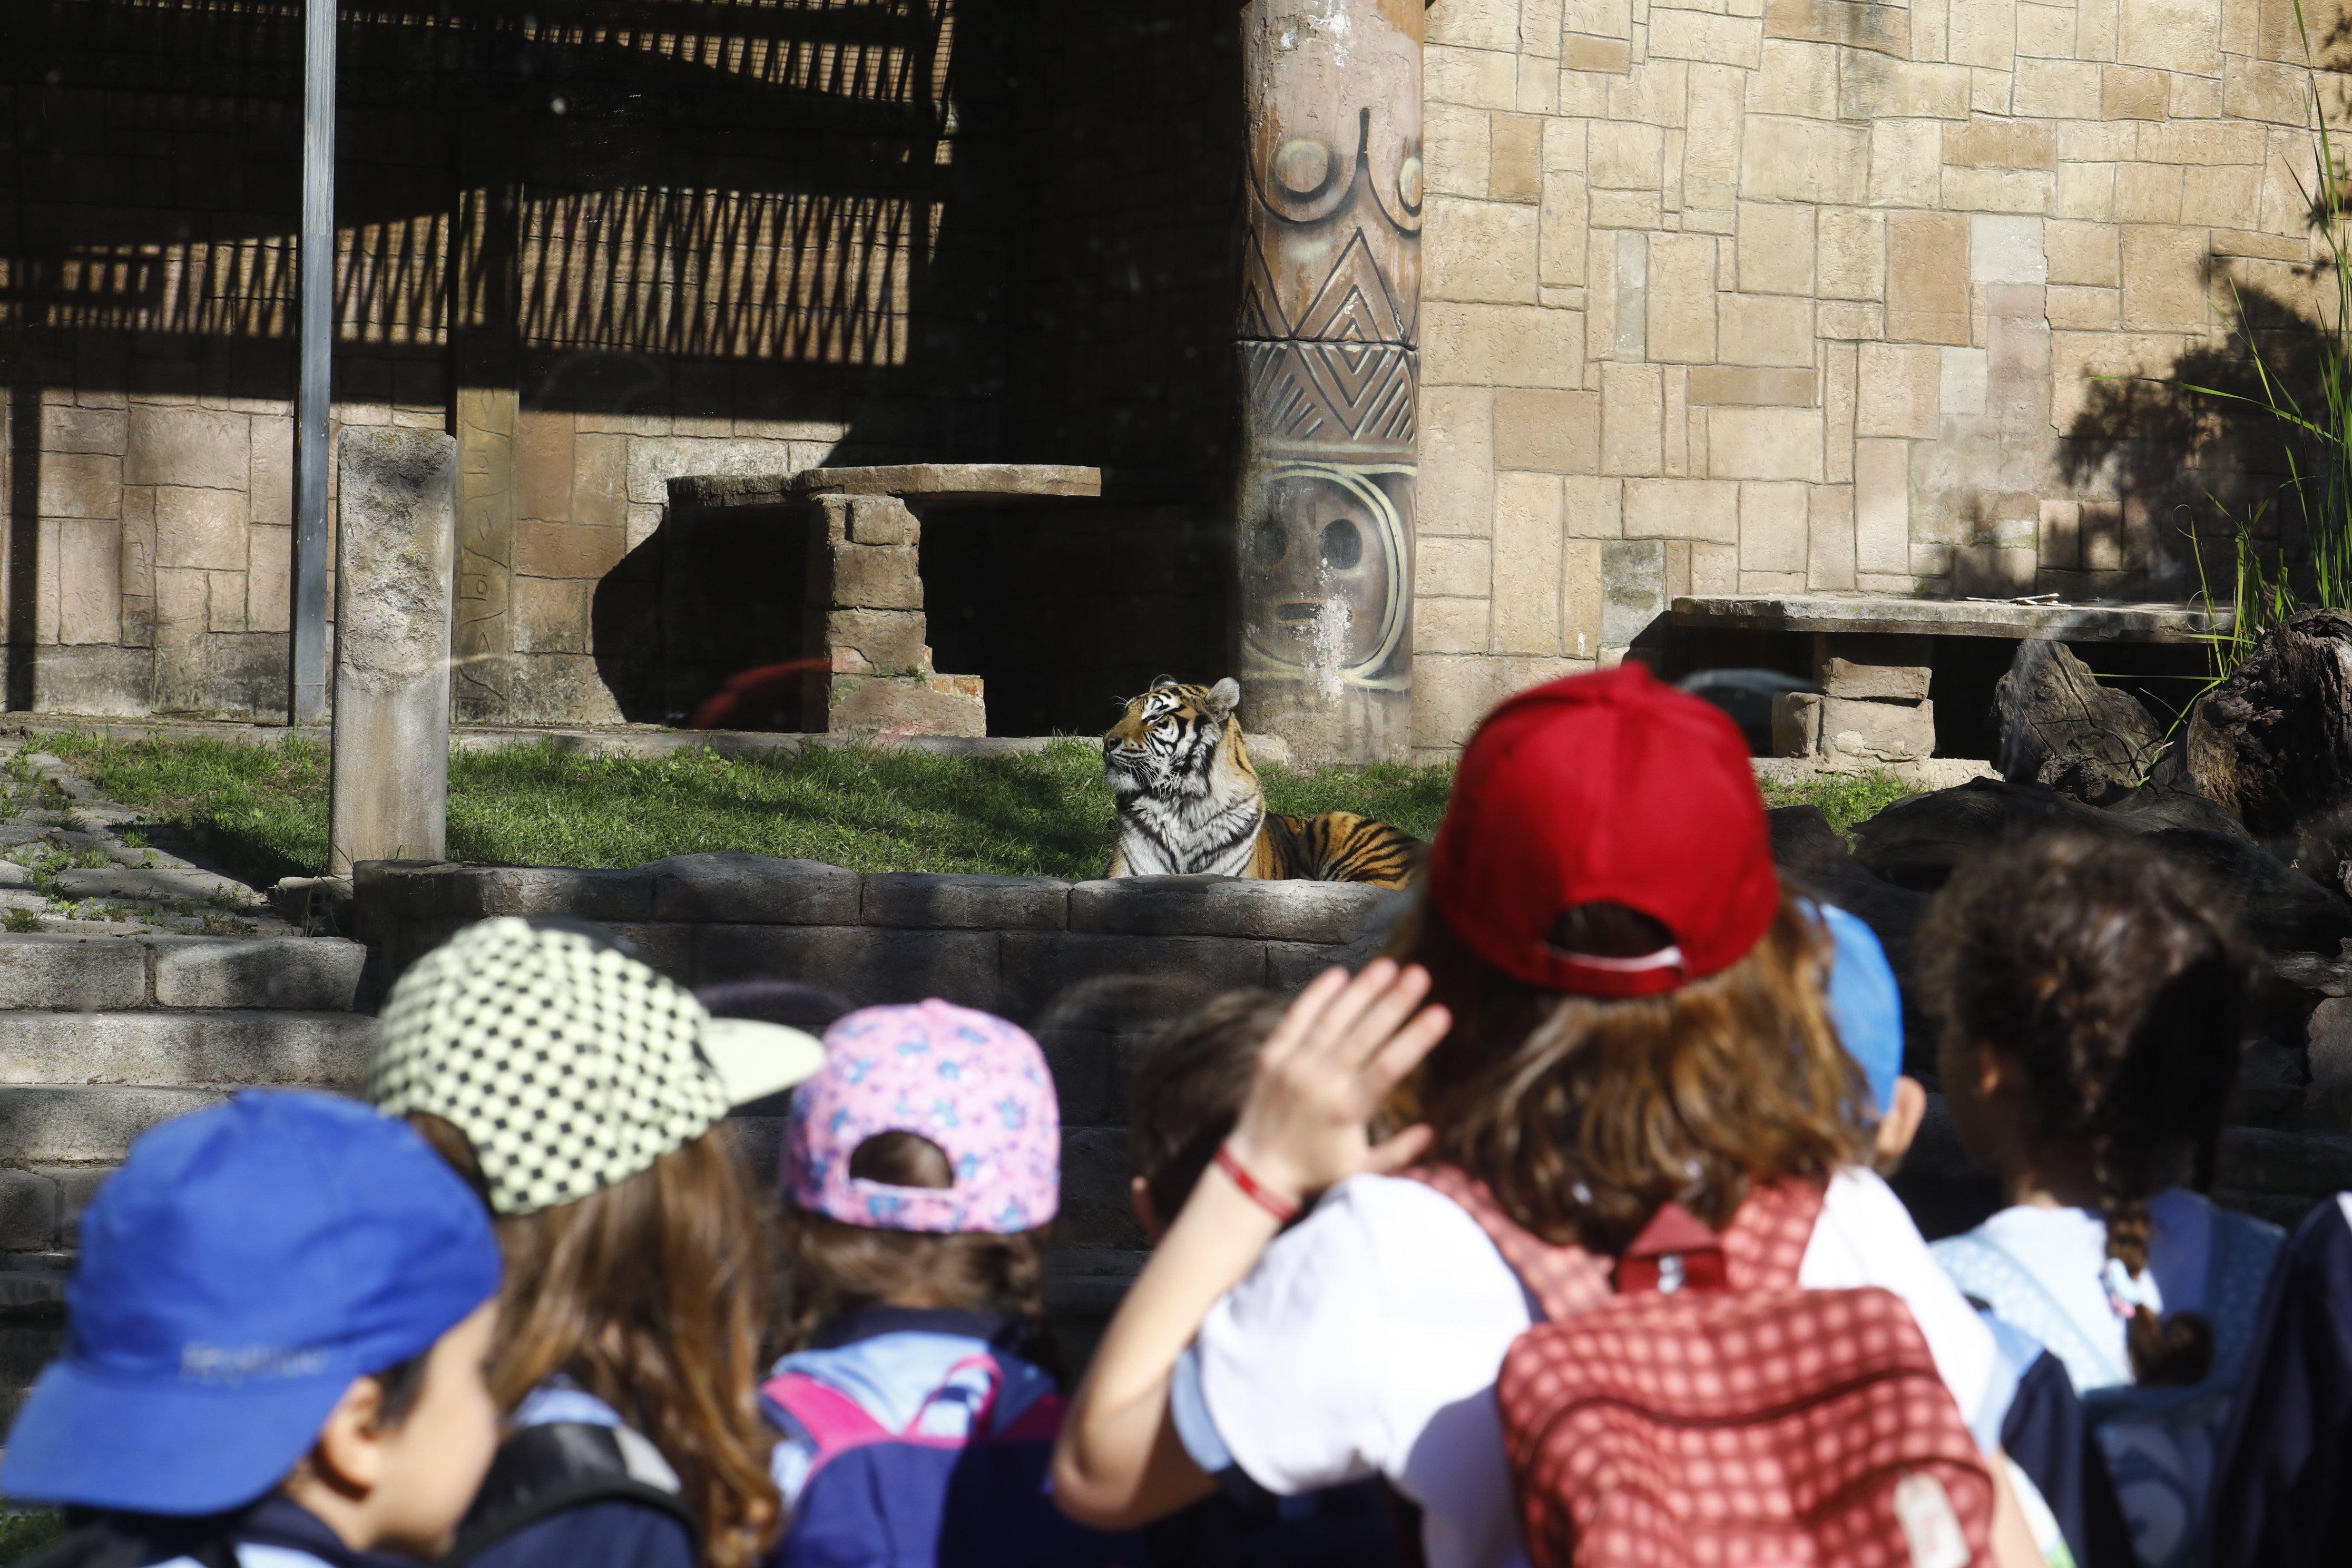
(1631, 1013)
(1866, 1009)
(921, 1168)
(275, 1349)
(2092, 1001)
(583, 1094)
(1186, 1092)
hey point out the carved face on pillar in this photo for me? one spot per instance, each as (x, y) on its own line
(1328, 571)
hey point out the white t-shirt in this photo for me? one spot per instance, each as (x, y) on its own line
(1368, 1339)
(2065, 1251)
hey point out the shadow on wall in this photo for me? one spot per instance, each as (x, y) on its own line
(2172, 474)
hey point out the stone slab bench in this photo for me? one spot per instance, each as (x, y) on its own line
(1872, 657)
(864, 629)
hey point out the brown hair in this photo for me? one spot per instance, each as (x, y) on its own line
(2120, 989)
(651, 1294)
(1586, 1114)
(832, 1268)
(1188, 1089)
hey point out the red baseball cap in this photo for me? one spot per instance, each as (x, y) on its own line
(1612, 788)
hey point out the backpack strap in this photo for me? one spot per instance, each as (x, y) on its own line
(545, 1469)
(1764, 1245)
(1562, 1279)
(831, 1419)
(1987, 1273)
(127, 1542)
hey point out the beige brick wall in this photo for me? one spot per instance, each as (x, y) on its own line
(1777, 296)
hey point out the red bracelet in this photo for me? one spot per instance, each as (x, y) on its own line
(1273, 1202)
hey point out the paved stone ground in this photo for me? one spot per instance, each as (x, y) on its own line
(72, 862)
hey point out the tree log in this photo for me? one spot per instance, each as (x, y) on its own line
(2060, 727)
(2272, 744)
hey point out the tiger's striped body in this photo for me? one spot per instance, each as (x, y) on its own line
(1190, 801)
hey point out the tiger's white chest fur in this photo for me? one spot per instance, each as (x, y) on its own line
(1188, 801)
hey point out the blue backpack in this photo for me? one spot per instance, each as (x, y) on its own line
(911, 1498)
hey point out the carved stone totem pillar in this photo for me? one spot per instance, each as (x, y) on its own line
(1329, 338)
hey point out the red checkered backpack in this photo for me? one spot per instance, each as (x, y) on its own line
(1706, 1411)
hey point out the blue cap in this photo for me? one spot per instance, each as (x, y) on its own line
(1866, 1003)
(241, 1269)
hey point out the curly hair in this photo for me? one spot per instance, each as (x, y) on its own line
(2117, 985)
(1584, 1115)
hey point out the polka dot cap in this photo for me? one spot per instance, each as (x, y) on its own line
(568, 1064)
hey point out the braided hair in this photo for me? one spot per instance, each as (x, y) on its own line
(2109, 973)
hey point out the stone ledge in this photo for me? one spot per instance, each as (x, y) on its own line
(229, 1047)
(935, 482)
(1951, 617)
(931, 901)
(1227, 906)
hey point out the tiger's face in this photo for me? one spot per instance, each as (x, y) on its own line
(1167, 741)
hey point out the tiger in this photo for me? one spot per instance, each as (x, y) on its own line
(1188, 801)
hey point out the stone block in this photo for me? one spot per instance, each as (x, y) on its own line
(1483, 251)
(309, 974)
(1764, 330)
(665, 947)
(1086, 980)
(198, 448)
(1683, 508)
(1828, 550)
(1863, 731)
(233, 1047)
(1794, 77)
(1873, 682)
(545, 549)
(1681, 297)
(86, 1122)
(76, 1185)
(395, 585)
(1632, 403)
(1457, 568)
(1797, 724)
(1702, 36)
(404, 890)
(1500, 345)
(1885, 29)
(867, 965)
(1750, 387)
(87, 431)
(89, 586)
(1901, 388)
(1928, 277)
(1998, 143)
(29, 1212)
(2007, 249)
(157, 882)
(729, 885)
(551, 614)
(270, 565)
(1289, 911)
(928, 901)
(1633, 589)
(2164, 287)
(79, 485)
(1578, 53)
(1852, 252)
(906, 705)
(877, 642)
(76, 973)
(1785, 158)
(876, 578)
(1993, 570)
(1526, 563)
(1548, 432)
(1456, 490)
(1764, 444)
(1960, 382)
(1772, 526)
(1774, 250)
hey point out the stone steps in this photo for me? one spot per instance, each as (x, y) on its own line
(103, 1036)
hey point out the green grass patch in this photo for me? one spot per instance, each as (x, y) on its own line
(1844, 798)
(261, 811)
(24, 1531)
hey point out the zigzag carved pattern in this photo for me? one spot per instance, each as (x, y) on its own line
(1355, 303)
(1348, 394)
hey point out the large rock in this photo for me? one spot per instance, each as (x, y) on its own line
(1917, 842)
(2060, 727)
(2272, 744)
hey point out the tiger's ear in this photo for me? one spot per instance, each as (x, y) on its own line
(1225, 696)
(1159, 681)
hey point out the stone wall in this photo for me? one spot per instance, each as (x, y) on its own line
(1771, 296)
(1091, 968)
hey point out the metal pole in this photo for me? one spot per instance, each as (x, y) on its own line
(307, 667)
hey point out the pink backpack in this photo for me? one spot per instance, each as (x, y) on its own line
(1688, 1404)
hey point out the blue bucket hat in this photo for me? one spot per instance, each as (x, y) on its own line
(241, 1269)
(1866, 1003)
